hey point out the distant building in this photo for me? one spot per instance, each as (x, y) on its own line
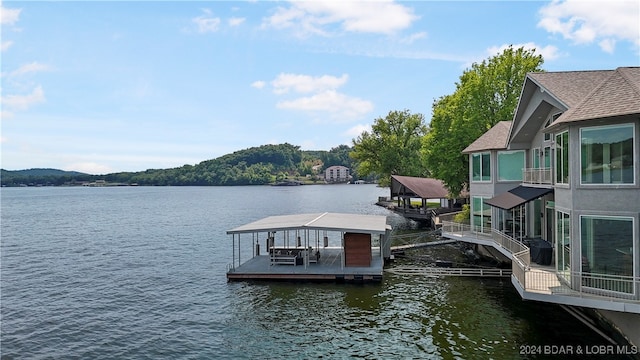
(336, 174)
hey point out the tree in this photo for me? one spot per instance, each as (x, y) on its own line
(486, 94)
(337, 156)
(392, 147)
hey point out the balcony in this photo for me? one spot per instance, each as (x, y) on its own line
(543, 283)
(535, 176)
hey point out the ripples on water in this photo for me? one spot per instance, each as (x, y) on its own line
(140, 273)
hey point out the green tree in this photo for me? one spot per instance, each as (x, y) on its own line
(392, 147)
(486, 94)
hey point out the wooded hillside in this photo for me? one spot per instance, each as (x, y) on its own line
(254, 166)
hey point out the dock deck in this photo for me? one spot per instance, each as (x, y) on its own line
(363, 244)
(329, 268)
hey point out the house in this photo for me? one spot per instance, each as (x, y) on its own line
(557, 190)
(337, 174)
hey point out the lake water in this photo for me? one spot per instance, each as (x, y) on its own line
(139, 272)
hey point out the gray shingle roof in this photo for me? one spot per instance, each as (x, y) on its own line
(617, 95)
(570, 87)
(494, 139)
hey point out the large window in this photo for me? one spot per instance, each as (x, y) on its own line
(481, 214)
(481, 167)
(563, 244)
(562, 158)
(607, 252)
(510, 165)
(607, 154)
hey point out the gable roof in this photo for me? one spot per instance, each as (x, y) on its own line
(425, 188)
(569, 87)
(617, 95)
(578, 96)
(494, 139)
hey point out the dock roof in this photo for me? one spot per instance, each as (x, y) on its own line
(374, 224)
(425, 188)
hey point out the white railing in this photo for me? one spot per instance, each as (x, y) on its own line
(483, 233)
(607, 287)
(520, 264)
(537, 176)
(448, 216)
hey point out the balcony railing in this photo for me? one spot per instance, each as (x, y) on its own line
(537, 176)
(470, 231)
(586, 285)
(545, 280)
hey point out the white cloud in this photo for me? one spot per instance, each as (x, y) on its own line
(259, 84)
(322, 96)
(236, 21)
(12, 103)
(207, 23)
(6, 45)
(315, 17)
(548, 52)
(9, 16)
(306, 83)
(340, 106)
(585, 22)
(29, 68)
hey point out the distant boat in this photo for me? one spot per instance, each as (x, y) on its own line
(288, 183)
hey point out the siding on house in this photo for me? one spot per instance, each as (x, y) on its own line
(582, 130)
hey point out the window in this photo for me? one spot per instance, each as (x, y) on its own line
(562, 158)
(535, 158)
(481, 167)
(607, 249)
(510, 165)
(563, 244)
(547, 136)
(481, 215)
(547, 157)
(606, 154)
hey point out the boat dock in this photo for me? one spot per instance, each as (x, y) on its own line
(311, 247)
(327, 268)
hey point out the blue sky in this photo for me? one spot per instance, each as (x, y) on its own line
(102, 87)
